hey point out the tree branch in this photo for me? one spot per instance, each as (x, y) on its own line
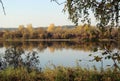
(58, 2)
(3, 7)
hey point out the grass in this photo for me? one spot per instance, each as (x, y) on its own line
(59, 73)
(18, 74)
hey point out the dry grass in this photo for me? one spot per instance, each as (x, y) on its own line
(59, 73)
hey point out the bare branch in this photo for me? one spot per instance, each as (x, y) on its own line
(58, 2)
(3, 7)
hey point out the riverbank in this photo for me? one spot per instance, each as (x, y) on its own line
(59, 73)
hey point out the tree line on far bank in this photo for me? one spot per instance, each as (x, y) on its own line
(81, 32)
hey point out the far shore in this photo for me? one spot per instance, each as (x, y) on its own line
(57, 40)
(39, 40)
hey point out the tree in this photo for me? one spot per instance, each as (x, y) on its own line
(30, 29)
(51, 28)
(21, 28)
(107, 12)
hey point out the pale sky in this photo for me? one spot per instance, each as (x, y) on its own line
(36, 12)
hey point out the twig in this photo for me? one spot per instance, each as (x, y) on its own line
(3, 7)
(58, 2)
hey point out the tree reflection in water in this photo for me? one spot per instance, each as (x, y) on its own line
(75, 45)
(14, 53)
(13, 58)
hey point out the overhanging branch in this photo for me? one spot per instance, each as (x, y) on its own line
(59, 2)
(3, 7)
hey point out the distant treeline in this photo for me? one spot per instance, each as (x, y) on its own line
(82, 32)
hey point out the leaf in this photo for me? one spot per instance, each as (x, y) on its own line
(97, 58)
(95, 49)
(108, 5)
(109, 57)
(104, 53)
(90, 54)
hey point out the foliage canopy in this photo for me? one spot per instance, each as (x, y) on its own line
(106, 12)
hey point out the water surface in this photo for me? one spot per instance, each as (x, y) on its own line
(69, 54)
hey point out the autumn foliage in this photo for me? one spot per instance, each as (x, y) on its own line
(81, 32)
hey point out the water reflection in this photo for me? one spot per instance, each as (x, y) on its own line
(41, 46)
(19, 54)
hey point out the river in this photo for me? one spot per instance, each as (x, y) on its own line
(100, 55)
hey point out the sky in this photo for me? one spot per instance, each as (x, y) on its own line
(36, 12)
